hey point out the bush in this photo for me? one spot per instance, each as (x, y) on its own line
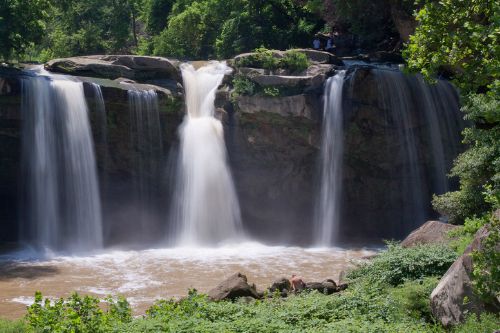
(464, 235)
(397, 265)
(271, 91)
(294, 61)
(76, 314)
(243, 85)
(486, 274)
(486, 323)
(414, 297)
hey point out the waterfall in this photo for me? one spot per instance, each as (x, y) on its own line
(400, 131)
(206, 210)
(395, 98)
(62, 203)
(146, 141)
(100, 110)
(331, 160)
(439, 103)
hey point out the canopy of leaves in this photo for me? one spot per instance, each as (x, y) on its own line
(21, 23)
(460, 39)
(216, 28)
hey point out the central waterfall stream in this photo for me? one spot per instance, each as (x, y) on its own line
(206, 207)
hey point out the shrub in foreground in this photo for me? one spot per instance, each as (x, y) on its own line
(397, 264)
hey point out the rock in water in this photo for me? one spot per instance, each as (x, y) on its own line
(454, 296)
(431, 232)
(280, 285)
(233, 287)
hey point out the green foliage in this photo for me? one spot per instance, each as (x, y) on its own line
(486, 274)
(21, 24)
(414, 297)
(76, 314)
(486, 323)
(243, 86)
(155, 13)
(397, 264)
(464, 235)
(7, 326)
(294, 61)
(76, 27)
(479, 166)
(458, 36)
(216, 28)
(271, 91)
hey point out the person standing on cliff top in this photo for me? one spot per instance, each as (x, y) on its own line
(316, 43)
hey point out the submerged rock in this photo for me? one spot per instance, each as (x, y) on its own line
(431, 232)
(454, 297)
(233, 287)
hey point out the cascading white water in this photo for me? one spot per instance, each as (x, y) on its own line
(207, 210)
(100, 110)
(146, 141)
(62, 203)
(328, 203)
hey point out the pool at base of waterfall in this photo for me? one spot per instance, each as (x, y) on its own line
(147, 275)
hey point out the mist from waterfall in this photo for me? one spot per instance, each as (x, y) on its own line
(61, 202)
(206, 208)
(328, 203)
(147, 146)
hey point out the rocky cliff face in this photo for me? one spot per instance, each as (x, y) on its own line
(10, 154)
(273, 145)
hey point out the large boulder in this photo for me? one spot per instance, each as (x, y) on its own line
(454, 297)
(431, 232)
(233, 287)
(116, 66)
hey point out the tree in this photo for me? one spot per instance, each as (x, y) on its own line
(21, 23)
(216, 28)
(155, 14)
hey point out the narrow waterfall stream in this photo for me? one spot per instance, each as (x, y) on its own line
(332, 147)
(206, 208)
(146, 142)
(61, 201)
(102, 123)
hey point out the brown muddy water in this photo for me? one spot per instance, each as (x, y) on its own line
(147, 275)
